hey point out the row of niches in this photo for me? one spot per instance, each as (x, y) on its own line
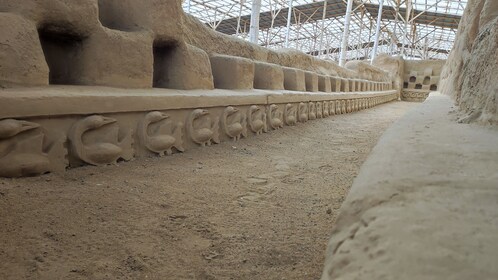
(74, 60)
(40, 145)
(423, 81)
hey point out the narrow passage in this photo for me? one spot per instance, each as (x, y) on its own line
(260, 208)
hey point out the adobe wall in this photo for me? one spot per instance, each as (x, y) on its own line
(97, 81)
(424, 203)
(118, 36)
(469, 75)
(420, 78)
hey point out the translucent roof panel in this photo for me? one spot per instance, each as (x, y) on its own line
(416, 29)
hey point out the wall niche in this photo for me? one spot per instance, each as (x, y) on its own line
(62, 49)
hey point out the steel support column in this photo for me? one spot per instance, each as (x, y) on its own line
(287, 31)
(345, 35)
(322, 31)
(238, 18)
(254, 28)
(377, 31)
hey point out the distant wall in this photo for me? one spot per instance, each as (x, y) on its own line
(420, 77)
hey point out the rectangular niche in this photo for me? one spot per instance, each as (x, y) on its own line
(163, 60)
(62, 50)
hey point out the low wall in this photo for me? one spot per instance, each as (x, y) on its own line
(49, 129)
(423, 205)
(97, 81)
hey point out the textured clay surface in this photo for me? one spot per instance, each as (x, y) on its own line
(261, 208)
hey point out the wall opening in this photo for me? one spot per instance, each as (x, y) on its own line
(62, 49)
(405, 85)
(163, 54)
(433, 87)
(427, 80)
(418, 86)
(413, 79)
(332, 85)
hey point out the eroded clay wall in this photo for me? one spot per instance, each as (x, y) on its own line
(97, 81)
(470, 73)
(130, 44)
(420, 77)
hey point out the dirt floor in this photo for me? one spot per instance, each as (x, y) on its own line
(260, 208)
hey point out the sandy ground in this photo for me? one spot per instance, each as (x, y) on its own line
(260, 208)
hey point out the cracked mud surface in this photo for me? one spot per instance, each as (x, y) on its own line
(260, 208)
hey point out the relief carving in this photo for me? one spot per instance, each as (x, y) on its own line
(24, 150)
(312, 111)
(257, 119)
(303, 112)
(202, 129)
(290, 114)
(332, 110)
(319, 110)
(160, 135)
(234, 123)
(96, 140)
(275, 117)
(326, 110)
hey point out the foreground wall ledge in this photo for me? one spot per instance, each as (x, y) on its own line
(50, 129)
(70, 100)
(424, 205)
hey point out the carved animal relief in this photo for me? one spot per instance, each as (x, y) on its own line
(332, 110)
(24, 150)
(96, 140)
(257, 119)
(303, 112)
(234, 123)
(312, 111)
(275, 117)
(202, 129)
(326, 110)
(290, 114)
(319, 110)
(159, 134)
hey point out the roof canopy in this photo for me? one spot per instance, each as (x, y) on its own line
(416, 29)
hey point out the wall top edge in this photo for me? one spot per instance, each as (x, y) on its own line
(83, 100)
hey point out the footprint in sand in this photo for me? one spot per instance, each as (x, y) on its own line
(257, 190)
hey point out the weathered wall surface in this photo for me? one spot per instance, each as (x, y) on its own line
(124, 39)
(420, 77)
(424, 203)
(395, 66)
(416, 209)
(470, 73)
(171, 84)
